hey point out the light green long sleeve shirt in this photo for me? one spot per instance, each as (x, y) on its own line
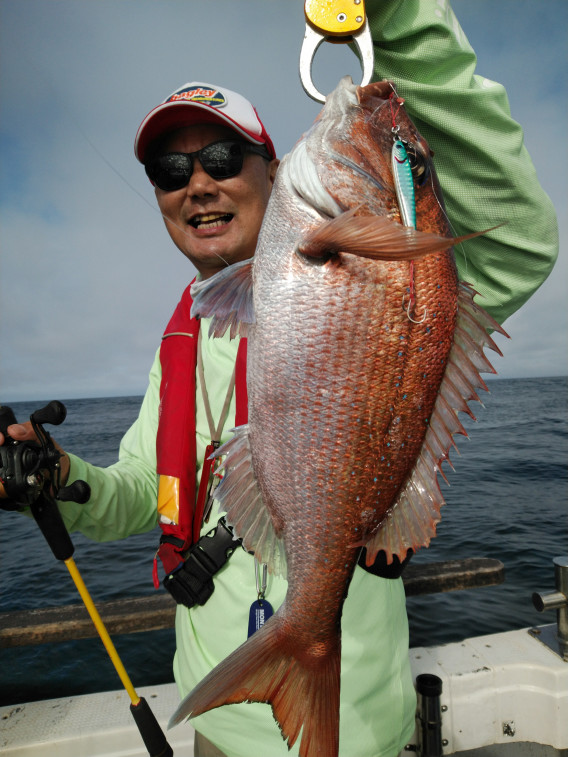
(377, 695)
(487, 177)
(486, 174)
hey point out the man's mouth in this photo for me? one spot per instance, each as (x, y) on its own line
(210, 220)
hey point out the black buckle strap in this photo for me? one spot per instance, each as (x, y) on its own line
(192, 582)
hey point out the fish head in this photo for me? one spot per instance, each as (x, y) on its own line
(350, 148)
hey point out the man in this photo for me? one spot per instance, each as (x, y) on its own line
(214, 220)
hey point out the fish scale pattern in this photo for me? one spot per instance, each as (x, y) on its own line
(412, 520)
(353, 398)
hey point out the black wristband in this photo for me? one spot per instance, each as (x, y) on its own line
(381, 568)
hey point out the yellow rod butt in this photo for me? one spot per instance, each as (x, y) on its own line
(101, 629)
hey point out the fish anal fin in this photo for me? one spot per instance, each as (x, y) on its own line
(374, 237)
(303, 693)
(240, 496)
(226, 297)
(411, 522)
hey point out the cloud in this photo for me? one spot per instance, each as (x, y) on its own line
(88, 274)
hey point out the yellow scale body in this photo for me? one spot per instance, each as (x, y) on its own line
(335, 17)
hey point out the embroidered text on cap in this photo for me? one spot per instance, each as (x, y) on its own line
(204, 95)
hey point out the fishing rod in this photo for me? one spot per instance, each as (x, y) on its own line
(30, 476)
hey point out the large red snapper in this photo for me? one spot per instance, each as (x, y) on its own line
(363, 346)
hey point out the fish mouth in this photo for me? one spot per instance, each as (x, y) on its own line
(210, 220)
(381, 89)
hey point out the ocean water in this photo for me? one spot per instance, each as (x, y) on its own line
(507, 499)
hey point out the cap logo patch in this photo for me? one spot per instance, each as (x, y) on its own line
(198, 94)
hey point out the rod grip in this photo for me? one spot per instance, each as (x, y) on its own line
(48, 518)
(150, 730)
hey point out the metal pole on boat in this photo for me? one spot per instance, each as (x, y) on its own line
(429, 715)
(22, 482)
(557, 600)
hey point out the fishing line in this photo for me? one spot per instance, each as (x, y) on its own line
(66, 108)
(133, 188)
(400, 102)
(453, 230)
(404, 186)
(129, 185)
(402, 200)
(30, 475)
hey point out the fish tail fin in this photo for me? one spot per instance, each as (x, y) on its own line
(303, 691)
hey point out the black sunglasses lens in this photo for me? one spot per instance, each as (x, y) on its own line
(222, 159)
(172, 171)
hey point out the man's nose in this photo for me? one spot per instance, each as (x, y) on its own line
(200, 183)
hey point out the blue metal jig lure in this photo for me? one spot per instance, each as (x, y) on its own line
(404, 183)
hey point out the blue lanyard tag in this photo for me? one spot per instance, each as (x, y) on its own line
(260, 611)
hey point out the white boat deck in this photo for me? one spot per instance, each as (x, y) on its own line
(94, 725)
(507, 690)
(501, 689)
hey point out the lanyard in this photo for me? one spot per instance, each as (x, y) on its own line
(207, 479)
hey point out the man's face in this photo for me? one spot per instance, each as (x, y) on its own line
(215, 222)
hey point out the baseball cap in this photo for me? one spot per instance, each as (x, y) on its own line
(197, 102)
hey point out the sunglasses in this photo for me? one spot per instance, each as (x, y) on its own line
(220, 160)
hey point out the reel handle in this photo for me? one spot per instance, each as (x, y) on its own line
(79, 491)
(53, 413)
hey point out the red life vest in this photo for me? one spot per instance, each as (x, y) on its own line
(175, 442)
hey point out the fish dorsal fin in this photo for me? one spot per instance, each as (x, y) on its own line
(240, 496)
(226, 297)
(411, 522)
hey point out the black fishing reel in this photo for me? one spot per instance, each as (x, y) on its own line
(30, 475)
(29, 469)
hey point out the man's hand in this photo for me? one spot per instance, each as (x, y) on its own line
(380, 566)
(23, 432)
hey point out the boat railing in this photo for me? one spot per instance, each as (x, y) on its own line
(157, 611)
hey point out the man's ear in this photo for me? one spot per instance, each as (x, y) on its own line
(273, 167)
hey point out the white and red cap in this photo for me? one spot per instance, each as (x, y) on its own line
(197, 103)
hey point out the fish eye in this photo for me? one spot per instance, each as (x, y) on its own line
(419, 164)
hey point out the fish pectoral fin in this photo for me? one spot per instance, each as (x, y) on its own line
(240, 496)
(411, 522)
(227, 298)
(374, 237)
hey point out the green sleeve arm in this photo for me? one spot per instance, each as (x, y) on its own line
(485, 171)
(123, 496)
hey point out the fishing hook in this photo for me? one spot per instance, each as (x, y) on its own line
(407, 309)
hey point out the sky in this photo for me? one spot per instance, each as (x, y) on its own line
(88, 274)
